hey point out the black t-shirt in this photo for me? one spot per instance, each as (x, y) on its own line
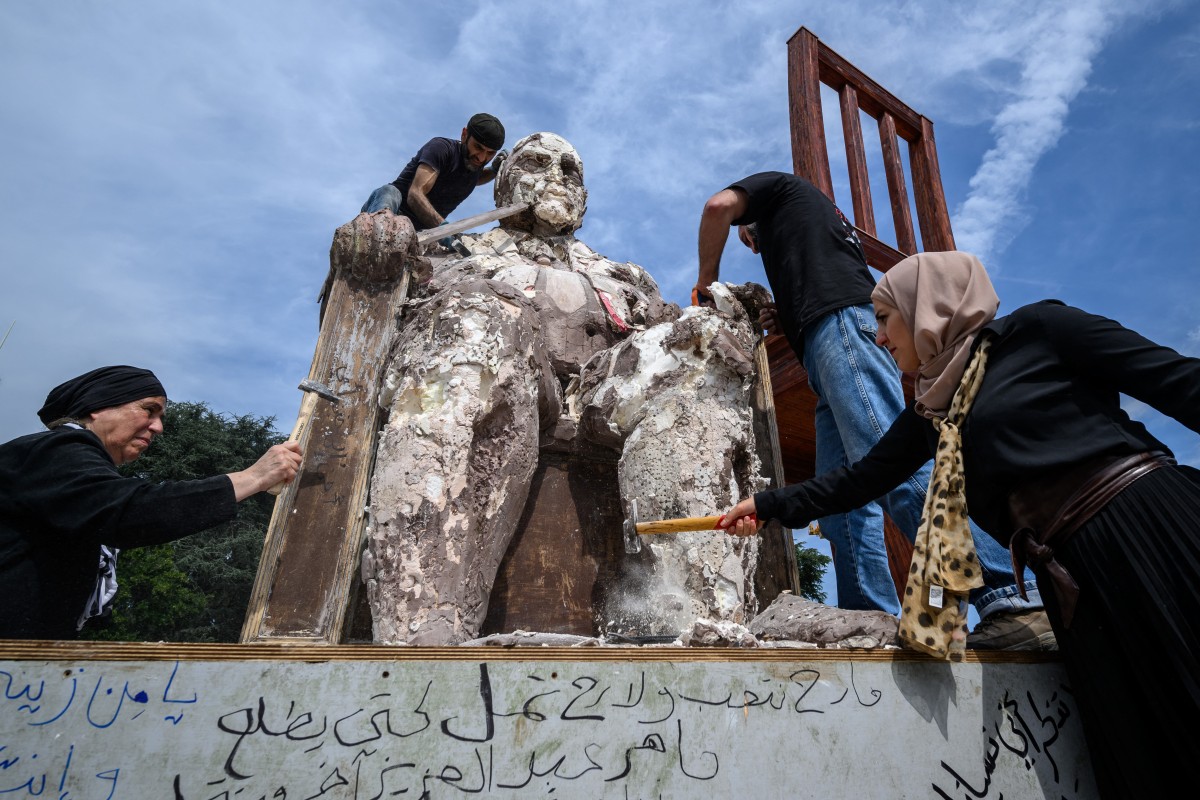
(812, 256)
(454, 181)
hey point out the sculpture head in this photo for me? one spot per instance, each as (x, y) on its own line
(546, 171)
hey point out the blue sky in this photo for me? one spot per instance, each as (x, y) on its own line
(171, 174)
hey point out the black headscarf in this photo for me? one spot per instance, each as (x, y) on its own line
(486, 130)
(100, 388)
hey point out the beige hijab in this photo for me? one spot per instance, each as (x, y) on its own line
(945, 299)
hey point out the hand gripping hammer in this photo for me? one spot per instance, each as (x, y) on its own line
(312, 390)
(633, 529)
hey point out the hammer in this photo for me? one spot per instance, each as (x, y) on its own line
(633, 529)
(312, 390)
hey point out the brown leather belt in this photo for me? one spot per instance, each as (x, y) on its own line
(1046, 514)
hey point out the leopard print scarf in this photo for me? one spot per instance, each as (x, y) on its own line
(944, 567)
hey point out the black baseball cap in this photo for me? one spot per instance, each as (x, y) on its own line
(486, 130)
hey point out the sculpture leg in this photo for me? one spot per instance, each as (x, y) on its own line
(679, 395)
(454, 463)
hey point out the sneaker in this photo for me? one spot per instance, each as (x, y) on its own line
(1011, 630)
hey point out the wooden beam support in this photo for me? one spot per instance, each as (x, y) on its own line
(810, 157)
(880, 255)
(893, 166)
(856, 161)
(313, 544)
(936, 235)
(777, 568)
(835, 71)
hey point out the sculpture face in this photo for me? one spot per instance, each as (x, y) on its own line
(545, 170)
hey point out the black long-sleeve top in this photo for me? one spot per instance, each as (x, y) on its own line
(61, 497)
(1049, 399)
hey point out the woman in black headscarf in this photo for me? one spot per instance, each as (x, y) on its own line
(65, 510)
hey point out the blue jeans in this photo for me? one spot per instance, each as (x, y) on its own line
(386, 196)
(859, 394)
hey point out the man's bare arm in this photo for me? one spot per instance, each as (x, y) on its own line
(719, 213)
(418, 200)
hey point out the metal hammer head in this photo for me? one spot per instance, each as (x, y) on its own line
(633, 542)
(318, 388)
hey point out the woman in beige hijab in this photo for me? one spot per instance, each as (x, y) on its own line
(1058, 472)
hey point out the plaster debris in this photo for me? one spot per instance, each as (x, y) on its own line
(816, 626)
(532, 639)
(794, 618)
(717, 633)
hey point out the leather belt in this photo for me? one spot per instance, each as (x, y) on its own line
(1044, 520)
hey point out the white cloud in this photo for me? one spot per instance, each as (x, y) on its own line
(173, 174)
(1060, 42)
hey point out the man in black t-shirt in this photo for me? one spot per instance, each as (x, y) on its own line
(442, 174)
(811, 253)
(822, 286)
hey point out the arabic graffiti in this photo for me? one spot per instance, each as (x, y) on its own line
(82, 699)
(1030, 736)
(371, 737)
(259, 730)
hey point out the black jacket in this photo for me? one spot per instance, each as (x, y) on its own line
(1050, 398)
(61, 497)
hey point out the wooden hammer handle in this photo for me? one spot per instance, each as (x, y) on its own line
(679, 525)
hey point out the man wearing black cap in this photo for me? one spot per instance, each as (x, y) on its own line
(443, 173)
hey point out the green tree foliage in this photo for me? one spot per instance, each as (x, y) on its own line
(194, 589)
(811, 564)
(153, 596)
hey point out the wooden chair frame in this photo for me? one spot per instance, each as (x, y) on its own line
(812, 63)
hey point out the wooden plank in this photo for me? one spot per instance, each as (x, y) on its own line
(566, 553)
(934, 218)
(301, 592)
(786, 371)
(893, 166)
(794, 403)
(856, 161)
(777, 569)
(880, 255)
(810, 156)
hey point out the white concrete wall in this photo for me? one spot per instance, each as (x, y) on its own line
(805, 728)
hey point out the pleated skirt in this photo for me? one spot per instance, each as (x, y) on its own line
(1132, 652)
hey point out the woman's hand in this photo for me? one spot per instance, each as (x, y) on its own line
(278, 465)
(741, 520)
